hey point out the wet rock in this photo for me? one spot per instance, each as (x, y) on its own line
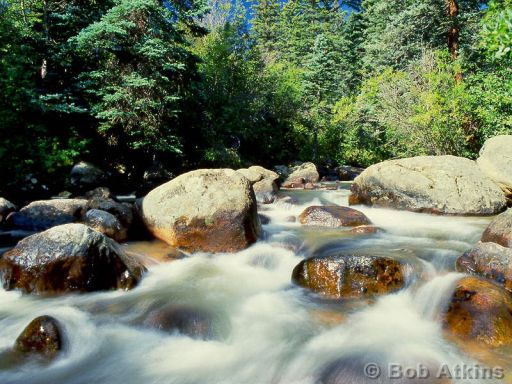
(348, 173)
(42, 337)
(291, 219)
(332, 216)
(68, 258)
(310, 186)
(480, 311)
(189, 321)
(266, 191)
(6, 207)
(212, 210)
(303, 173)
(293, 184)
(349, 276)
(499, 230)
(495, 161)
(44, 214)
(86, 176)
(432, 184)
(488, 260)
(105, 223)
(124, 212)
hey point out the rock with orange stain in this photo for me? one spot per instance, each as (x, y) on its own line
(499, 230)
(349, 276)
(333, 216)
(210, 210)
(480, 311)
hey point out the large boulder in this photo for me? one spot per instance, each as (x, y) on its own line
(488, 260)
(212, 210)
(495, 161)
(86, 176)
(71, 257)
(6, 207)
(105, 223)
(302, 174)
(333, 216)
(124, 212)
(432, 184)
(44, 214)
(43, 337)
(349, 276)
(264, 183)
(480, 311)
(499, 231)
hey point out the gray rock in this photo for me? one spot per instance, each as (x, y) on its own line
(68, 258)
(105, 223)
(251, 175)
(212, 210)
(495, 161)
(86, 175)
(266, 191)
(488, 260)
(6, 207)
(303, 173)
(432, 184)
(44, 214)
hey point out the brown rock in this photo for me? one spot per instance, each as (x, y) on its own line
(480, 311)
(365, 230)
(68, 258)
(293, 184)
(499, 230)
(349, 276)
(43, 337)
(332, 216)
(488, 260)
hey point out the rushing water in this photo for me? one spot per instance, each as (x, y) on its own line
(265, 329)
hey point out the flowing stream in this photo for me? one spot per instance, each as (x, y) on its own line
(266, 330)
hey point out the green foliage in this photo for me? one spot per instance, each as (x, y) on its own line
(497, 30)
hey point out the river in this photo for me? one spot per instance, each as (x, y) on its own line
(265, 329)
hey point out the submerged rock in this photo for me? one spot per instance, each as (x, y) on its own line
(44, 214)
(488, 260)
(189, 321)
(42, 337)
(212, 210)
(499, 230)
(480, 311)
(431, 184)
(333, 216)
(349, 276)
(495, 161)
(68, 258)
(105, 223)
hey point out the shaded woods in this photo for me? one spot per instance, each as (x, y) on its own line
(138, 85)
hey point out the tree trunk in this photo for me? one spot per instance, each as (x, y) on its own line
(454, 32)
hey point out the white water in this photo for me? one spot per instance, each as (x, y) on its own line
(268, 330)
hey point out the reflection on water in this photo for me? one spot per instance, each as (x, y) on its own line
(266, 330)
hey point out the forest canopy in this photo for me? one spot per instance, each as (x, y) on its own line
(131, 84)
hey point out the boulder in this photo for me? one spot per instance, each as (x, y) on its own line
(86, 176)
(432, 184)
(499, 231)
(68, 258)
(480, 311)
(349, 276)
(252, 175)
(124, 212)
(189, 321)
(488, 260)
(332, 216)
(348, 173)
(44, 214)
(302, 174)
(265, 173)
(6, 207)
(211, 210)
(265, 191)
(105, 223)
(99, 193)
(43, 337)
(495, 161)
